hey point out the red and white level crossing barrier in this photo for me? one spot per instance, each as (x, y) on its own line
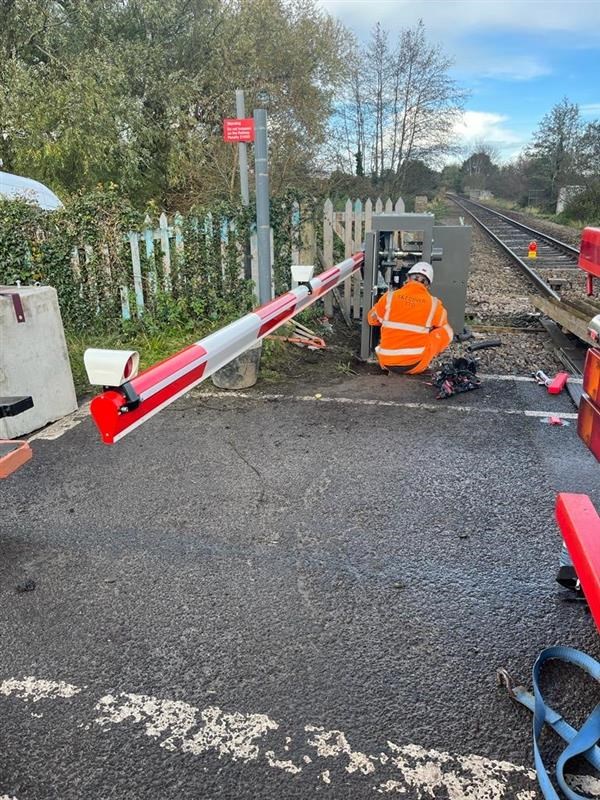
(119, 410)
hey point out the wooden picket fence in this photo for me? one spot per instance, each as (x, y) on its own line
(160, 245)
(350, 226)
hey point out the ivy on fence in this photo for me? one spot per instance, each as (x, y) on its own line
(86, 250)
(113, 266)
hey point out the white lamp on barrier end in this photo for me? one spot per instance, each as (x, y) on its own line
(110, 367)
(302, 274)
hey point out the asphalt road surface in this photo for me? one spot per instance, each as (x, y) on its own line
(289, 596)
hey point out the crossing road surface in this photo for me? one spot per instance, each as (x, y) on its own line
(289, 596)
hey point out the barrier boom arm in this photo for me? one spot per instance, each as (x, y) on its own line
(119, 410)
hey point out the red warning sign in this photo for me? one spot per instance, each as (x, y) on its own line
(238, 130)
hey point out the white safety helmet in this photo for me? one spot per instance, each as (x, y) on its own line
(422, 268)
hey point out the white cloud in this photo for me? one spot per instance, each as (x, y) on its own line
(486, 127)
(590, 109)
(515, 68)
(452, 18)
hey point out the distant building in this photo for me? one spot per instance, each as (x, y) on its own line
(478, 194)
(14, 187)
(565, 195)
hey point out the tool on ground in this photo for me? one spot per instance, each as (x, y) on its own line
(310, 342)
(541, 378)
(567, 575)
(554, 385)
(582, 742)
(558, 383)
(460, 374)
(302, 337)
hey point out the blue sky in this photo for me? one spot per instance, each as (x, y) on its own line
(517, 57)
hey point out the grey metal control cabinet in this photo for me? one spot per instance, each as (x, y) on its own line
(446, 247)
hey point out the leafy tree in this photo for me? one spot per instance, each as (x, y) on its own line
(553, 152)
(451, 178)
(135, 92)
(478, 169)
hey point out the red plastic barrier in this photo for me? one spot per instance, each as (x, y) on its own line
(589, 251)
(579, 524)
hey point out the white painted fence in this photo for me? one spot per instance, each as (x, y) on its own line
(155, 250)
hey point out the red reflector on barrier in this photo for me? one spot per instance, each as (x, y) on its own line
(579, 524)
(591, 376)
(588, 425)
(589, 251)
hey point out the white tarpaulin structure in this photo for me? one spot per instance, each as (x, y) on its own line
(15, 186)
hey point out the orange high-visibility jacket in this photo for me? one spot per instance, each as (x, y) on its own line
(414, 327)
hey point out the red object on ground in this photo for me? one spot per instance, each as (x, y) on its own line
(589, 251)
(238, 130)
(579, 524)
(13, 455)
(555, 421)
(558, 383)
(532, 250)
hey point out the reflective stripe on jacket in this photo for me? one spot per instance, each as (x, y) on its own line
(407, 317)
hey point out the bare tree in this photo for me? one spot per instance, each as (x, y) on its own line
(400, 106)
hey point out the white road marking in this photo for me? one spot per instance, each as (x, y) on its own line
(35, 689)
(61, 426)
(585, 784)
(332, 744)
(286, 765)
(181, 727)
(227, 734)
(361, 401)
(490, 376)
(407, 769)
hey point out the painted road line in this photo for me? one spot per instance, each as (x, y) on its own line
(490, 376)
(34, 689)
(56, 429)
(319, 754)
(360, 401)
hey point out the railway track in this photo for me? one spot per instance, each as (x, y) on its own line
(553, 256)
(547, 272)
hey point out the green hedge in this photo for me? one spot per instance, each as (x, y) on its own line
(206, 281)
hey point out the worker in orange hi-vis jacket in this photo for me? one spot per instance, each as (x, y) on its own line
(414, 324)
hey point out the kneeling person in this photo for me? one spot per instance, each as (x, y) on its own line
(414, 324)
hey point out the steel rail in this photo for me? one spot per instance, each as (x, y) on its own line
(566, 248)
(531, 274)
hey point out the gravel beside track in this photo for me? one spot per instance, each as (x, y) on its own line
(564, 233)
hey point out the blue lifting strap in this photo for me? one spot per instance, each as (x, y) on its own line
(581, 742)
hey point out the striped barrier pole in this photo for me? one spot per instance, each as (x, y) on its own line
(119, 410)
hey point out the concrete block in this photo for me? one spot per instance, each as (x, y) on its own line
(34, 360)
